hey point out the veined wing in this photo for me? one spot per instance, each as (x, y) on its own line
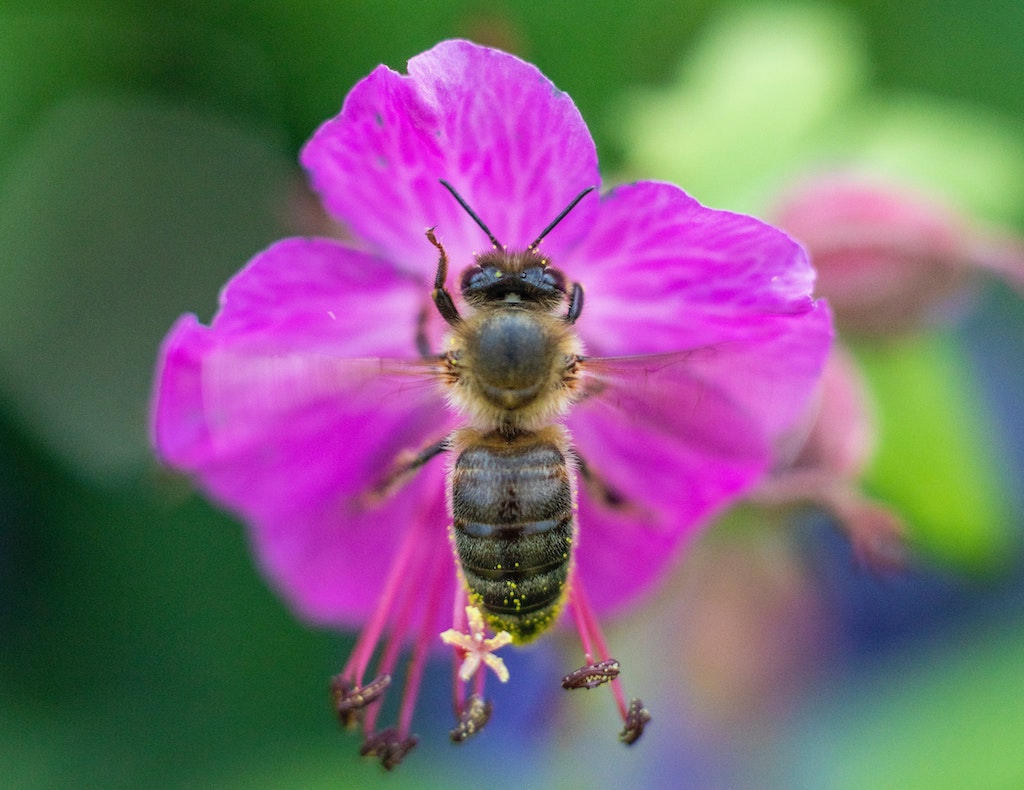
(242, 391)
(258, 408)
(677, 396)
(662, 447)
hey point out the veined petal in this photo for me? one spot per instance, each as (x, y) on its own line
(332, 562)
(493, 126)
(663, 273)
(678, 436)
(769, 365)
(303, 443)
(301, 469)
(308, 294)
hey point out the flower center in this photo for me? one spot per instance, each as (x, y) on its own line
(405, 611)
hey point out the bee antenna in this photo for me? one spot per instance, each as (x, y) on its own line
(472, 214)
(560, 217)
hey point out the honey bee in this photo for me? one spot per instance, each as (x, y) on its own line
(512, 365)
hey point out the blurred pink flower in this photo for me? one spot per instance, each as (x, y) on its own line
(298, 403)
(890, 258)
(824, 465)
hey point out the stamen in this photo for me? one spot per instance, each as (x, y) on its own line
(349, 699)
(606, 669)
(407, 599)
(366, 644)
(388, 747)
(592, 675)
(459, 624)
(399, 611)
(472, 717)
(472, 650)
(417, 664)
(636, 720)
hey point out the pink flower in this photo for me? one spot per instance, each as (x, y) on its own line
(833, 449)
(314, 403)
(890, 258)
(892, 261)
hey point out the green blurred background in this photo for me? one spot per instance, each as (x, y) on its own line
(147, 150)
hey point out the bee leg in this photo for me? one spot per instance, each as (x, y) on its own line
(406, 464)
(442, 299)
(599, 488)
(575, 303)
(422, 342)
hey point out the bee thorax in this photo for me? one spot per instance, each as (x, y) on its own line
(513, 353)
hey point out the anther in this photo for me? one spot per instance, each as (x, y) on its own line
(475, 713)
(636, 719)
(388, 747)
(592, 675)
(350, 699)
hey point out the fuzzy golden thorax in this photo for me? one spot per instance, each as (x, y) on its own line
(512, 365)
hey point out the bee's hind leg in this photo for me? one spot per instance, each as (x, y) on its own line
(599, 488)
(604, 493)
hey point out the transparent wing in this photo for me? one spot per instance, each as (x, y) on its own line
(216, 405)
(662, 446)
(245, 393)
(676, 396)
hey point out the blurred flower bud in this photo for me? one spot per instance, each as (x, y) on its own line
(825, 470)
(889, 259)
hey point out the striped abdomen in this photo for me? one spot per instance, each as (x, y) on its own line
(513, 526)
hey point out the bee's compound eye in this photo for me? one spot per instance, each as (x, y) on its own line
(555, 279)
(544, 279)
(474, 277)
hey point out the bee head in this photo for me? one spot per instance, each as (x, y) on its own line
(500, 276)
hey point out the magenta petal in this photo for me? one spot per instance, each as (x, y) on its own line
(319, 295)
(694, 275)
(291, 436)
(332, 563)
(769, 366)
(297, 460)
(318, 400)
(515, 147)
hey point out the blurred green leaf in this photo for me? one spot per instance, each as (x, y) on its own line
(937, 462)
(49, 53)
(946, 719)
(751, 102)
(118, 213)
(969, 155)
(773, 92)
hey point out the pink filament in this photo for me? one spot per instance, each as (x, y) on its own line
(589, 629)
(355, 667)
(424, 639)
(400, 624)
(460, 624)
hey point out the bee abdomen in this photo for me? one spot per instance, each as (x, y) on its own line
(513, 530)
